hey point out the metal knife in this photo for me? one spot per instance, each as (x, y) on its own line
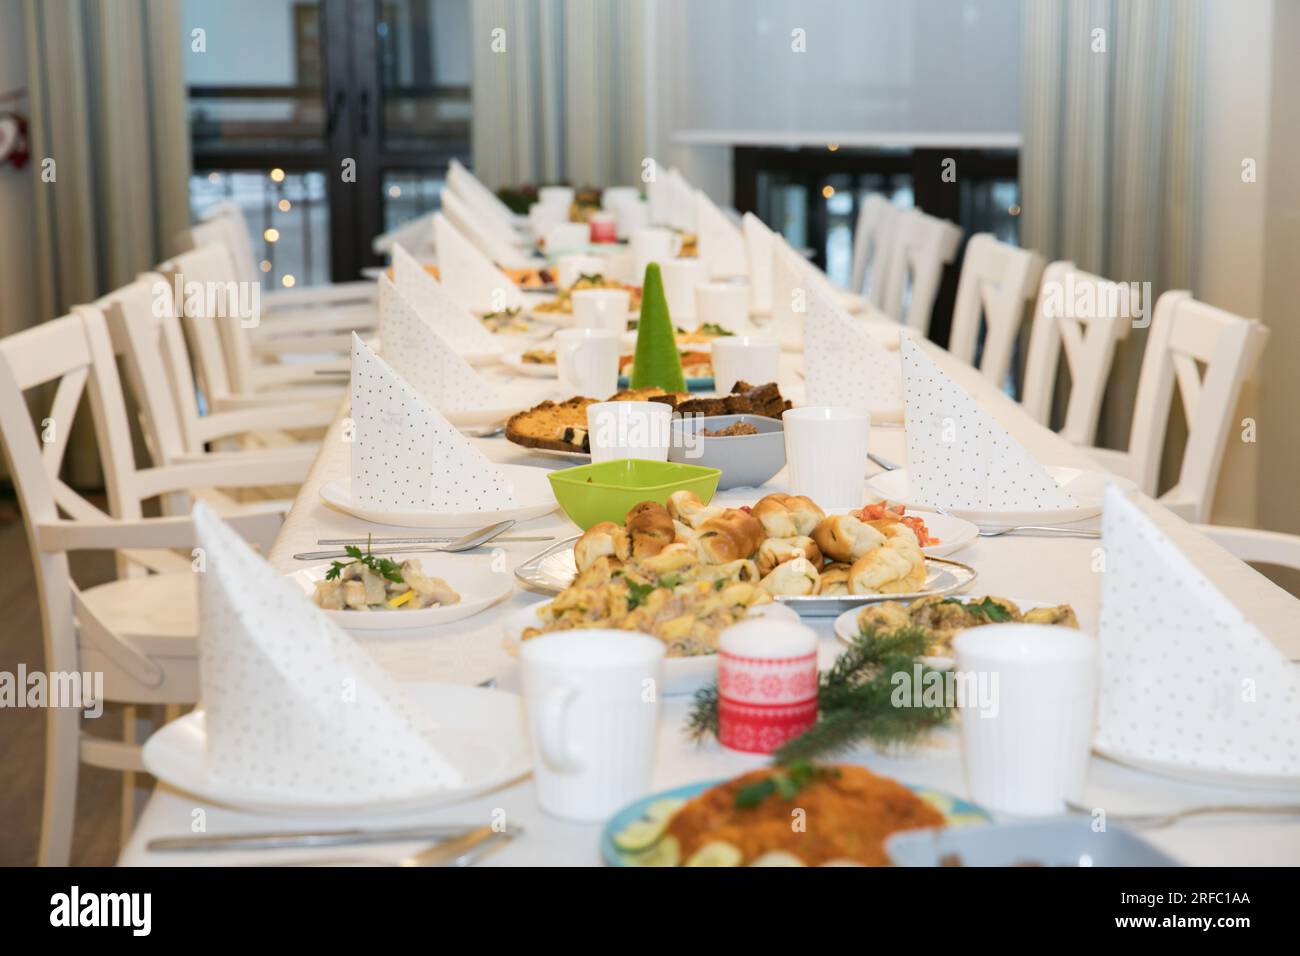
(388, 541)
(273, 840)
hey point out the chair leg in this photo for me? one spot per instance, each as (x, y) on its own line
(129, 736)
(62, 763)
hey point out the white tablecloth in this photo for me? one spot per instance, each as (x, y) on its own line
(1056, 570)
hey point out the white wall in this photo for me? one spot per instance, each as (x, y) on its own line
(17, 202)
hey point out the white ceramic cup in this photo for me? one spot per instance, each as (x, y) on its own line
(631, 216)
(744, 358)
(556, 196)
(601, 309)
(725, 304)
(586, 361)
(542, 217)
(1028, 700)
(569, 268)
(566, 237)
(681, 278)
(593, 708)
(629, 430)
(652, 245)
(614, 196)
(826, 453)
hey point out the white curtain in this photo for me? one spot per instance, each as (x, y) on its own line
(1108, 166)
(564, 100)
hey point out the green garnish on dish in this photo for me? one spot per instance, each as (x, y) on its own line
(386, 568)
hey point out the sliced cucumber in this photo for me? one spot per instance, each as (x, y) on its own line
(663, 809)
(667, 852)
(778, 858)
(640, 835)
(717, 853)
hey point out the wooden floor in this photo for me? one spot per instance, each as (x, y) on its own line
(22, 730)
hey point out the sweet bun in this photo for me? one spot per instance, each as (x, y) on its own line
(673, 557)
(834, 580)
(730, 536)
(792, 578)
(686, 507)
(896, 568)
(605, 539)
(845, 538)
(650, 528)
(776, 551)
(787, 516)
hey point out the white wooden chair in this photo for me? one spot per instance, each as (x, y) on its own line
(1185, 335)
(996, 281)
(1255, 546)
(498, 243)
(229, 371)
(140, 630)
(1088, 342)
(875, 237)
(923, 245)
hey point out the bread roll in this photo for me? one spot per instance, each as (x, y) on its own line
(787, 516)
(845, 538)
(730, 536)
(795, 577)
(896, 568)
(684, 532)
(834, 580)
(650, 528)
(776, 551)
(605, 539)
(686, 507)
(673, 557)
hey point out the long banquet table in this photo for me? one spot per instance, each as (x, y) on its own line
(1055, 570)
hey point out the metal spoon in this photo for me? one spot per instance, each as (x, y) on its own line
(466, 543)
(1048, 531)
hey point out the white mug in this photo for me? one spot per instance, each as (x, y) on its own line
(601, 309)
(593, 709)
(614, 196)
(652, 245)
(569, 268)
(1028, 700)
(556, 196)
(681, 277)
(631, 216)
(744, 358)
(826, 453)
(586, 361)
(629, 430)
(542, 217)
(567, 236)
(725, 304)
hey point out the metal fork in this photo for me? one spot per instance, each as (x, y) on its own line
(458, 852)
(1150, 821)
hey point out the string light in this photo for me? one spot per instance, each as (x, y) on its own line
(277, 175)
(394, 191)
(284, 205)
(828, 191)
(287, 281)
(271, 235)
(265, 265)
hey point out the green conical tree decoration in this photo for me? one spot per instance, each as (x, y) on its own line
(656, 362)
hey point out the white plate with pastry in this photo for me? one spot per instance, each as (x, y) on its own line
(532, 490)
(532, 363)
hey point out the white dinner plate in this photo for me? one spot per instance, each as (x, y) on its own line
(471, 576)
(1215, 778)
(1085, 486)
(681, 675)
(533, 498)
(953, 533)
(482, 732)
(515, 362)
(478, 417)
(846, 626)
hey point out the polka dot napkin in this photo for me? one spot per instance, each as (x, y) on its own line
(414, 349)
(758, 250)
(844, 364)
(958, 456)
(455, 323)
(405, 455)
(290, 703)
(468, 275)
(789, 294)
(722, 246)
(1185, 677)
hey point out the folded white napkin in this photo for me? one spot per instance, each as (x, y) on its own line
(1185, 678)
(758, 254)
(958, 456)
(844, 364)
(659, 196)
(453, 322)
(789, 295)
(721, 244)
(470, 276)
(682, 206)
(290, 702)
(496, 241)
(472, 190)
(406, 456)
(414, 350)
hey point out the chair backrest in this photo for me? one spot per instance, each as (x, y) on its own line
(873, 244)
(146, 330)
(226, 222)
(212, 297)
(996, 281)
(75, 352)
(1255, 546)
(923, 245)
(1185, 335)
(1084, 316)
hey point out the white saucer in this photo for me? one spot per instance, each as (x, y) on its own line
(533, 498)
(471, 576)
(483, 732)
(477, 417)
(514, 361)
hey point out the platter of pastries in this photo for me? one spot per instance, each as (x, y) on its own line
(816, 564)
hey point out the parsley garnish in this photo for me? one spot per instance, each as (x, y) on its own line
(385, 568)
(712, 328)
(785, 781)
(988, 609)
(637, 593)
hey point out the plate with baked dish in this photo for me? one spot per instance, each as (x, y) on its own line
(746, 821)
(535, 363)
(560, 428)
(815, 563)
(943, 618)
(697, 370)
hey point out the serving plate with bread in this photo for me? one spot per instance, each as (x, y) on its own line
(816, 563)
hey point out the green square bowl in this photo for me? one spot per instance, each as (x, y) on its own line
(590, 494)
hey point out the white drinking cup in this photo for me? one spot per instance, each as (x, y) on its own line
(681, 278)
(586, 361)
(826, 453)
(725, 304)
(601, 309)
(744, 358)
(629, 430)
(569, 268)
(653, 244)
